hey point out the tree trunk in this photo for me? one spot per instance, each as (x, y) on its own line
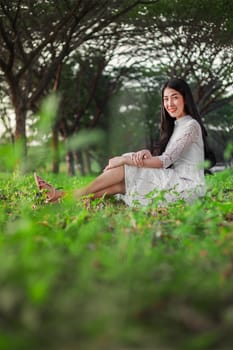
(55, 150)
(87, 161)
(80, 162)
(55, 133)
(70, 163)
(20, 131)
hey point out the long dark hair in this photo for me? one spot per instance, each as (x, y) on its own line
(167, 122)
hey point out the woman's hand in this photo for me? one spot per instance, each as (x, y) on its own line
(139, 156)
(115, 162)
(135, 159)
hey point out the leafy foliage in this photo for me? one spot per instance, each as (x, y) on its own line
(100, 275)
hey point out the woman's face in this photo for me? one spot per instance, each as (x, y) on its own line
(173, 102)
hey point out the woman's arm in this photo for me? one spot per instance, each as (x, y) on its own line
(140, 156)
(152, 162)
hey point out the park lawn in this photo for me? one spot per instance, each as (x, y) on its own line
(100, 275)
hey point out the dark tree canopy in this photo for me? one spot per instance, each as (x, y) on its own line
(156, 39)
(36, 36)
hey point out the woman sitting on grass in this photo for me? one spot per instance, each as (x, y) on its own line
(177, 171)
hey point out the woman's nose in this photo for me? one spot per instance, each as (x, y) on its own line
(170, 102)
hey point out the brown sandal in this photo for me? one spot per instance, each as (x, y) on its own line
(52, 194)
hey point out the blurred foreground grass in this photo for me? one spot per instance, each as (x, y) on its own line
(105, 276)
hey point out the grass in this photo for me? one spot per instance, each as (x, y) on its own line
(105, 276)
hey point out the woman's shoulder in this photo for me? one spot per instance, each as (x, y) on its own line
(187, 122)
(190, 126)
(191, 122)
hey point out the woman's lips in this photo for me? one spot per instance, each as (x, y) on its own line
(172, 110)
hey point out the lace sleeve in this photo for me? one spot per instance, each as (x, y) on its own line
(178, 145)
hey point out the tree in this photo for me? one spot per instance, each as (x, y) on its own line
(85, 89)
(36, 37)
(185, 40)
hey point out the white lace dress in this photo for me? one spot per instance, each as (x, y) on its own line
(184, 180)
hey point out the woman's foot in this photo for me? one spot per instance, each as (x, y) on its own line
(52, 194)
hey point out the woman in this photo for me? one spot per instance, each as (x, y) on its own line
(176, 172)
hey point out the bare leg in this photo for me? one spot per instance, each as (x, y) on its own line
(109, 191)
(110, 182)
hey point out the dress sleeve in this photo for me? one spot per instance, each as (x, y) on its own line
(174, 148)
